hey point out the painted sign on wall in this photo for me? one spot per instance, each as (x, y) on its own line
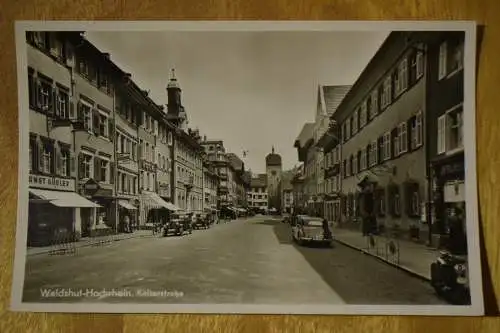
(51, 183)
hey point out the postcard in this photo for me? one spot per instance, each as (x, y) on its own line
(247, 167)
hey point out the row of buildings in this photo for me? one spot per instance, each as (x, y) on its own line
(101, 149)
(391, 145)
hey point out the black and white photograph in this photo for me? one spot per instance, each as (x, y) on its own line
(247, 167)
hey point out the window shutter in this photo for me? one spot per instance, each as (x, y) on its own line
(58, 160)
(111, 172)
(143, 117)
(442, 60)
(380, 144)
(111, 129)
(156, 127)
(38, 87)
(409, 133)
(79, 111)
(95, 123)
(394, 137)
(81, 166)
(97, 168)
(36, 156)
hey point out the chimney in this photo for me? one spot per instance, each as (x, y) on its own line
(204, 138)
(106, 55)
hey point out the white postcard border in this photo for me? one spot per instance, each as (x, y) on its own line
(477, 304)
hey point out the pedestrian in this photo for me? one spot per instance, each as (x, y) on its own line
(126, 222)
(457, 238)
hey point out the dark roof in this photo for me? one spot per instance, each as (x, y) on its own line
(259, 181)
(305, 134)
(235, 161)
(273, 159)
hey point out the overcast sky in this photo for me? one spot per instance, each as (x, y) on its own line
(251, 89)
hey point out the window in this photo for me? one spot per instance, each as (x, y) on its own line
(57, 49)
(355, 122)
(83, 66)
(86, 116)
(373, 153)
(454, 127)
(403, 138)
(355, 165)
(401, 77)
(103, 125)
(374, 104)
(44, 96)
(46, 162)
(362, 163)
(386, 93)
(363, 115)
(64, 163)
(134, 151)
(62, 104)
(441, 139)
(104, 177)
(420, 64)
(416, 131)
(41, 39)
(450, 57)
(86, 169)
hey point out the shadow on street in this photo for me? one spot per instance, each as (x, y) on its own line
(356, 277)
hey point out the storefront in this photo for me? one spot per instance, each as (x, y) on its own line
(102, 221)
(448, 191)
(128, 214)
(55, 210)
(152, 209)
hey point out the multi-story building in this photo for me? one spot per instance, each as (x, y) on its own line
(328, 182)
(55, 208)
(94, 79)
(126, 165)
(328, 99)
(257, 195)
(187, 161)
(274, 171)
(383, 162)
(307, 181)
(240, 181)
(216, 154)
(444, 125)
(210, 186)
(298, 191)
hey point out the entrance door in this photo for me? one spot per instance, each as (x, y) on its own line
(86, 217)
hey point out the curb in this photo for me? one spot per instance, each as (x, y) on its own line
(403, 268)
(74, 247)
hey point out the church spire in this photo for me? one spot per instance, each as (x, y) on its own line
(173, 80)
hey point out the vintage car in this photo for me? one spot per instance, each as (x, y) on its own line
(201, 221)
(173, 227)
(307, 229)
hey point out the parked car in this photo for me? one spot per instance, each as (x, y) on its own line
(173, 227)
(201, 221)
(307, 229)
(286, 218)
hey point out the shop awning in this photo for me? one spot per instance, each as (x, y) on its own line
(126, 205)
(155, 201)
(64, 199)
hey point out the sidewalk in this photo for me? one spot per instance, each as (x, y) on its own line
(85, 242)
(409, 256)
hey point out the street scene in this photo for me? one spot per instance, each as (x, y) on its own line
(265, 268)
(246, 168)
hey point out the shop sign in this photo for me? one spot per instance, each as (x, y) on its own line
(51, 183)
(91, 187)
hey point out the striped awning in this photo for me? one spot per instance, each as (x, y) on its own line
(64, 199)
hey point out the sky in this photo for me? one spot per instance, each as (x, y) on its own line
(253, 90)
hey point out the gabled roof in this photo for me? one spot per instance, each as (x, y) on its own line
(331, 96)
(305, 134)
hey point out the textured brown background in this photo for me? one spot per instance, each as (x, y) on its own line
(485, 12)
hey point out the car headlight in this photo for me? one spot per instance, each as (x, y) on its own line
(460, 269)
